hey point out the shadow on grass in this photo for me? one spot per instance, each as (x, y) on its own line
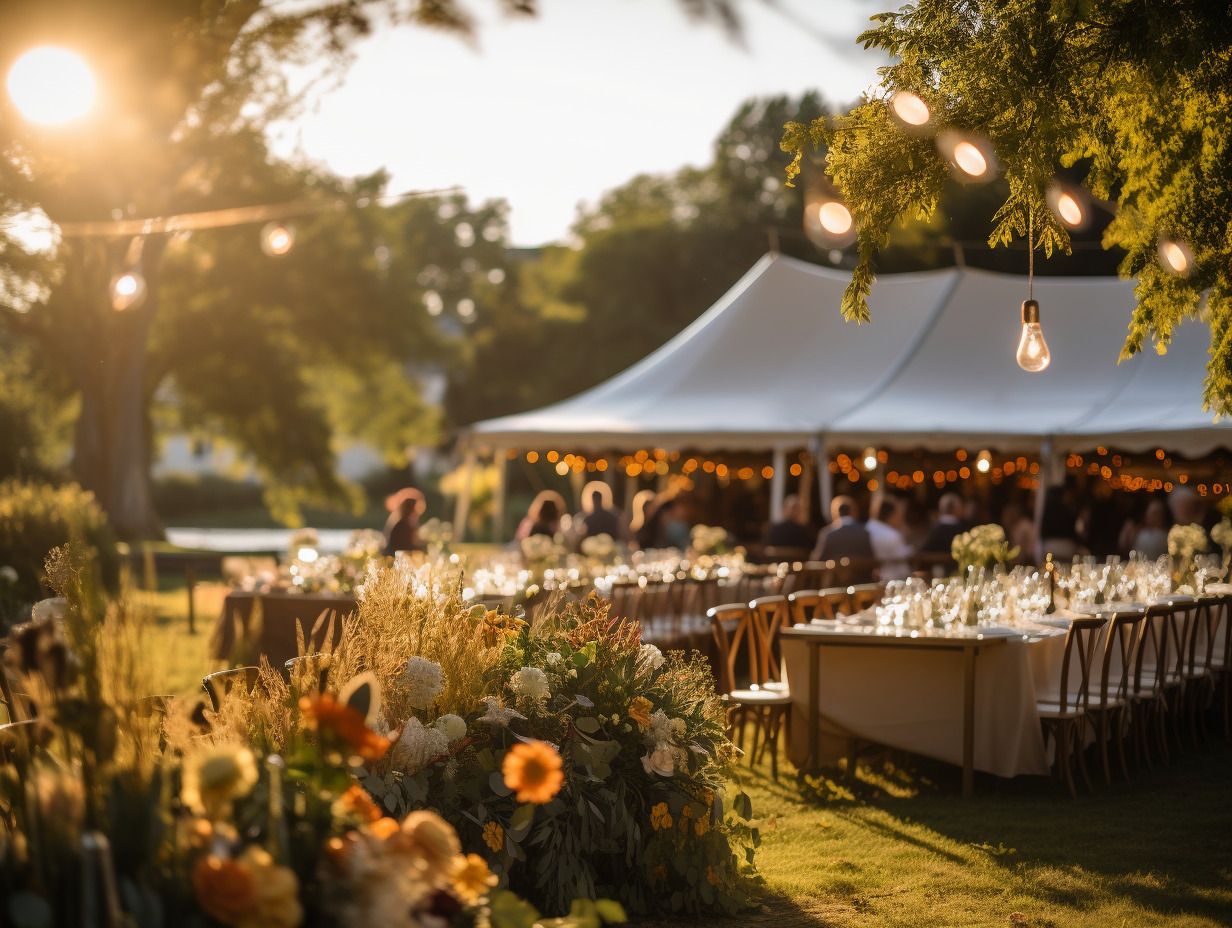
(1163, 842)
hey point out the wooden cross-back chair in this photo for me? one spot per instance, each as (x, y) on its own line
(1108, 708)
(1155, 689)
(1221, 663)
(1198, 670)
(863, 595)
(1065, 719)
(807, 605)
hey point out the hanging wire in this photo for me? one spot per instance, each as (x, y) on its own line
(1030, 252)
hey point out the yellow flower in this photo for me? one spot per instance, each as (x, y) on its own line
(701, 826)
(639, 711)
(494, 836)
(660, 817)
(712, 877)
(433, 840)
(471, 878)
(533, 771)
(216, 776)
(277, 904)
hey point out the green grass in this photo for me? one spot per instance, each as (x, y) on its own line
(899, 846)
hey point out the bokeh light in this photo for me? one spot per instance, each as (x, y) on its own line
(277, 239)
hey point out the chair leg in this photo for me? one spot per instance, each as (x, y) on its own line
(1160, 708)
(776, 722)
(1103, 735)
(1080, 730)
(1119, 729)
(1063, 732)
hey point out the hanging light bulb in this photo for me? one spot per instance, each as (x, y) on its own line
(127, 290)
(983, 463)
(908, 110)
(1066, 205)
(1176, 257)
(971, 157)
(870, 458)
(277, 239)
(829, 223)
(1033, 354)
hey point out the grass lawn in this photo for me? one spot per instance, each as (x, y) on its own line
(900, 846)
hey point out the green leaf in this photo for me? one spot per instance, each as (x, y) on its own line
(496, 782)
(587, 724)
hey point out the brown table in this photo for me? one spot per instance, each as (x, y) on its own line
(276, 638)
(816, 638)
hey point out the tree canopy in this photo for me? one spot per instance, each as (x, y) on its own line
(1134, 94)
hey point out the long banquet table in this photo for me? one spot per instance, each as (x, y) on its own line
(276, 637)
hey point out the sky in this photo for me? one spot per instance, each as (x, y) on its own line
(551, 112)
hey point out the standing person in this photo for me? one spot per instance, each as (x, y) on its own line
(792, 530)
(598, 517)
(402, 526)
(940, 537)
(885, 531)
(849, 539)
(536, 517)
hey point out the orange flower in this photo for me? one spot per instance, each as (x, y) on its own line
(329, 718)
(494, 837)
(356, 801)
(712, 877)
(225, 889)
(701, 826)
(471, 878)
(385, 828)
(639, 711)
(533, 771)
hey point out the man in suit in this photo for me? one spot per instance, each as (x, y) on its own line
(940, 537)
(850, 539)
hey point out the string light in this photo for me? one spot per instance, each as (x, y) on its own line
(870, 459)
(1176, 257)
(1066, 204)
(127, 290)
(909, 111)
(277, 238)
(971, 157)
(983, 462)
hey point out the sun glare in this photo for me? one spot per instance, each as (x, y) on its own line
(51, 86)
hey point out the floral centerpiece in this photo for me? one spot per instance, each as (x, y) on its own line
(1221, 534)
(436, 536)
(148, 811)
(1185, 542)
(601, 548)
(982, 546)
(542, 553)
(709, 540)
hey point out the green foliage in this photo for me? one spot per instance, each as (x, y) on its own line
(1134, 91)
(34, 416)
(37, 517)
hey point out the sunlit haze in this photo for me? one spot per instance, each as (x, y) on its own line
(553, 111)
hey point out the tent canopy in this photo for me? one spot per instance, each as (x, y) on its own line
(773, 364)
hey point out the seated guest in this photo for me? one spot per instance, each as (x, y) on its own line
(835, 521)
(940, 537)
(402, 526)
(598, 517)
(543, 522)
(792, 530)
(672, 524)
(849, 539)
(1059, 528)
(885, 530)
(1150, 539)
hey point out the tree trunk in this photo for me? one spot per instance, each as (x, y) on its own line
(112, 453)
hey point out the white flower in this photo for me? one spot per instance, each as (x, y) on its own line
(424, 681)
(650, 654)
(708, 539)
(663, 729)
(553, 659)
(660, 761)
(600, 547)
(1186, 540)
(1221, 534)
(416, 746)
(453, 726)
(8, 574)
(530, 682)
(497, 714)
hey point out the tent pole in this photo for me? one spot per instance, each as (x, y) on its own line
(462, 505)
(825, 479)
(805, 487)
(501, 461)
(778, 485)
(1047, 479)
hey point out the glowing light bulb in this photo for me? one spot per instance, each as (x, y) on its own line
(1176, 257)
(909, 109)
(127, 290)
(51, 85)
(970, 159)
(835, 218)
(1033, 354)
(870, 459)
(277, 239)
(984, 462)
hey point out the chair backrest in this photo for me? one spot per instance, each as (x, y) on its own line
(864, 595)
(1080, 643)
(851, 571)
(1158, 638)
(732, 626)
(819, 604)
(1122, 642)
(1203, 633)
(1225, 649)
(624, 597)
(770, 614)
(217, 685)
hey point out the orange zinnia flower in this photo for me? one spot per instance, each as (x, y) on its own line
(533, 771)
(326, 716)
(357, 802)
(225, 889)
(639, 711)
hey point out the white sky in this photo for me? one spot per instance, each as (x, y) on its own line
(553, 111)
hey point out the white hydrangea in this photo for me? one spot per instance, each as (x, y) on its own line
(424, 681)
(453, 726)
(416, 746)
(553, 658)
(531, 683)
(650, 654)
(497, 714)
(662, 729)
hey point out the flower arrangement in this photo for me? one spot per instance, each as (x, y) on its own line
(1221, 534)
(542, 553)
(436, 536)
(601, 547)
(709, 539)
(982, 546)
(1185, 542)
(152, 812)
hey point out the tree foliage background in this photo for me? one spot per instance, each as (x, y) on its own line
(1134, 94)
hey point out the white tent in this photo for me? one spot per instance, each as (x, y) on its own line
(774, 365)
